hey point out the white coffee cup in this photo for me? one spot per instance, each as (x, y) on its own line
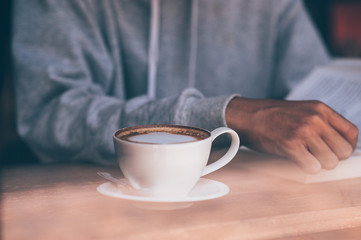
(168, 160)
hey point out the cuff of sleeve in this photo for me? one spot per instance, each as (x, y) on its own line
(206, 113)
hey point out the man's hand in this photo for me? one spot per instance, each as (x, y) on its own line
(307, 132)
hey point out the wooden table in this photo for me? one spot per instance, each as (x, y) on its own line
(60, 201)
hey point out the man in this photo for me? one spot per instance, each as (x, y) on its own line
(87, 68)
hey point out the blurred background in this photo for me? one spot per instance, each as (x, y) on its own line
(338, 22)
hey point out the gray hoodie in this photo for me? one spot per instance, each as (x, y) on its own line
(85, 68)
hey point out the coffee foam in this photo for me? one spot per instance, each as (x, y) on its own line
(162, 138)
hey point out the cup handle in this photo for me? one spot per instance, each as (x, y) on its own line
(232, 151)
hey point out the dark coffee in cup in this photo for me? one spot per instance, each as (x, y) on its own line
(162, 134)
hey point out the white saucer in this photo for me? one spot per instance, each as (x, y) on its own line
(205, 189)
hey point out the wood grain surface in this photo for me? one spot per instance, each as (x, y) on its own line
(60, 201)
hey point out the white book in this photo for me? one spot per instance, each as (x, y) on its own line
(286, 169)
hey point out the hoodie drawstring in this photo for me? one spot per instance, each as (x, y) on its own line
(153, 49)
(193, 44)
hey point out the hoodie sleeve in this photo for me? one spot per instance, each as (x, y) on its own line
(64, 111)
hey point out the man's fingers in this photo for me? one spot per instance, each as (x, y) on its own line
(305, 160)
(337, 143)
(322, 152)
(348, 130)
